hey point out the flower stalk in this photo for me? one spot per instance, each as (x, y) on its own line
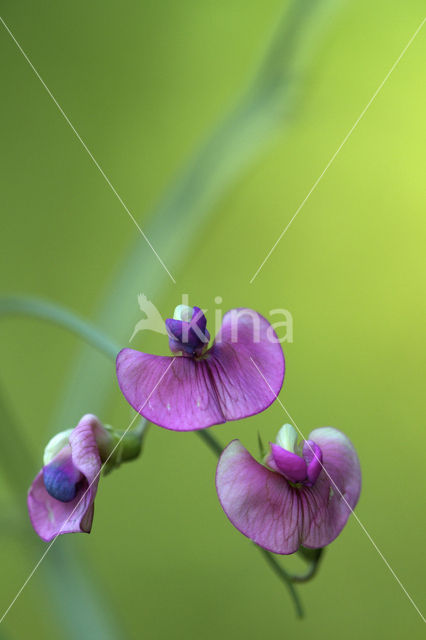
(313, 556)
(22, 305)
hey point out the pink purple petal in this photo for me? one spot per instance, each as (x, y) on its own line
(51, 517)
(313, 457)
(260, 503)
(280, 517)
(185, 394)
(175, 393)
(188, 337)
(292, 466)
(338, 485)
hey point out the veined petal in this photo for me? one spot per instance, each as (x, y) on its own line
(245, 345)
(279, 517)
(338, 486)
(49, 516)
(175, 393)
(186, 394)
(260, 503)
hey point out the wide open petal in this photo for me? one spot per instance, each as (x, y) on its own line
(185, 394)
(173, 392)
(279, 517)
(260, 503)
(247, 364)
(338, 486)
(49, 516)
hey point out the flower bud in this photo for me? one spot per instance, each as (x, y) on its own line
(187, 331)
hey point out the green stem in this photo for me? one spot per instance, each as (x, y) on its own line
(20, 305)
(24, 305)
(210, 441)
(314, 557)
(235, 143)
(16, 461)
(285, 577)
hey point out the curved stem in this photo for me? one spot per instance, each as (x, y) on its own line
(305, 577)
(16, 461)
(21, 305)
(313, 556)
(285, 577)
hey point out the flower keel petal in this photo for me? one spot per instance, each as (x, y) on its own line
(51, 517)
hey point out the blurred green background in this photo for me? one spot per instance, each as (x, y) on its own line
(146, 84)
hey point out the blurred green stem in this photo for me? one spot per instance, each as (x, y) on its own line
(245, 129)
(233, 145)
(313, 557)
(15, 459)
(285, 577)
(24, 305)
(210, 441)
(20, 305)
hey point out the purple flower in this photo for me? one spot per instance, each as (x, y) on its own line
(303, 496)
(202, 386)
(61, 498)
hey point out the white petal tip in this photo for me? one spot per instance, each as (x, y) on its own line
(54, 446)
(287, 438)
(183, 313)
